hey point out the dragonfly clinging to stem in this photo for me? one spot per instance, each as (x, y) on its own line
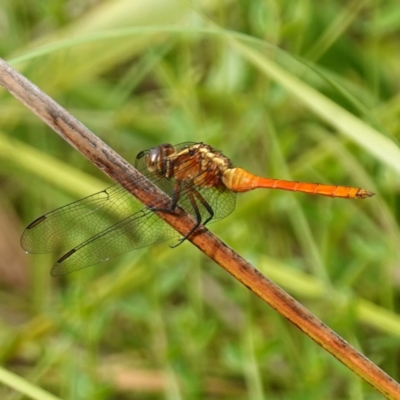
(196, 177)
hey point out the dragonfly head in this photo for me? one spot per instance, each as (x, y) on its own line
(157, 158)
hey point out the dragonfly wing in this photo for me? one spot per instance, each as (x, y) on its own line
(74, 223)
(221, 200)
(139, 230)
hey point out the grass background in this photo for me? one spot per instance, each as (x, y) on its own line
(290, 89)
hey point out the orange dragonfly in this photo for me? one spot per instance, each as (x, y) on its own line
(106, 224)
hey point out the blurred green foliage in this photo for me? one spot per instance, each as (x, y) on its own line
(163, 323)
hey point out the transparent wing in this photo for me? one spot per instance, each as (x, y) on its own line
(139, 230)
(74, 223)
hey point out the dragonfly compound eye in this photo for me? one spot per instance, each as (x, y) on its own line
(157, 158)
(152, 159)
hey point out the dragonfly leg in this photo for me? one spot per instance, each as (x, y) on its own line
(198, 218)
(175, 198)
(205, 205)
(192, 193)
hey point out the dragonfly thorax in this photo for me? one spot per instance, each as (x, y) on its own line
(201, 165)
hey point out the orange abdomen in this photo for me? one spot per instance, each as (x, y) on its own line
(239, 180)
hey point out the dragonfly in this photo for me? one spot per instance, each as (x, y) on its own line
(195, 176)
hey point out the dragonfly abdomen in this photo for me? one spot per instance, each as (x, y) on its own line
(239, 180)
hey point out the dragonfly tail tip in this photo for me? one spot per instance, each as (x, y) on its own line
(364, 194)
